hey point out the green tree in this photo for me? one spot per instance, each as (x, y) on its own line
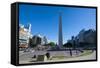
(52, 44)
(69, 45)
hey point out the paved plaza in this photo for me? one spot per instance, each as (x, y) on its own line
(26, 57)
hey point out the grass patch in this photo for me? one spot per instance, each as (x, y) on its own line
(86, 52)
(59, 57)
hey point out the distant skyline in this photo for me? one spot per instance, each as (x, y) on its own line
(45, 20)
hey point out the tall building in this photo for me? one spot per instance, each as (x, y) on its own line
(24, 35)
(85, 38)
(38, 39)
(28, 27)
(60, 36)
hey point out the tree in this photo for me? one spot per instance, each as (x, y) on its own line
(69, 45)
(52, 44)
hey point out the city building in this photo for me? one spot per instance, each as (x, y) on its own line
(85, 38)
(38, 39)
(24, 35)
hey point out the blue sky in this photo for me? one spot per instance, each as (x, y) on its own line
(45, 19)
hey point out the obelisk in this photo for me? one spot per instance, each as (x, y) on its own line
(60, 37)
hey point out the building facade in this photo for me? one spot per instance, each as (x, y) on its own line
(38, 39)
(85, 38)
(24, 35)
